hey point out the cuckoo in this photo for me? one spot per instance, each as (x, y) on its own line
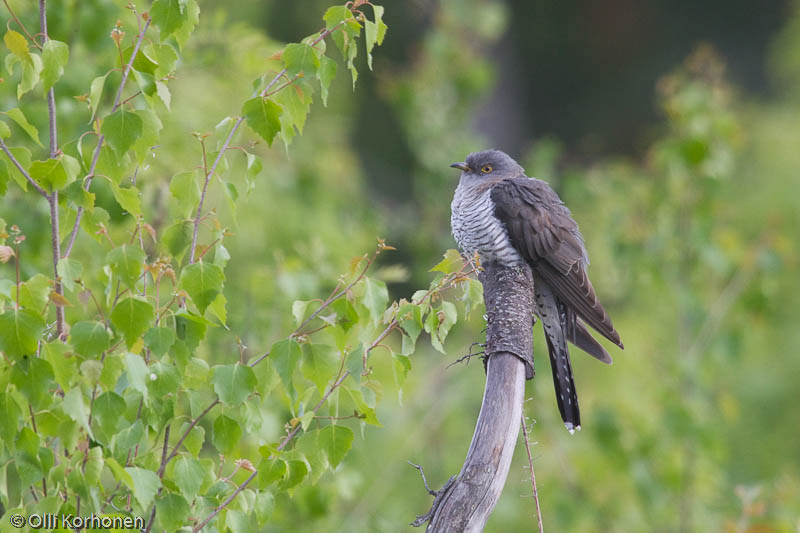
(503, 215)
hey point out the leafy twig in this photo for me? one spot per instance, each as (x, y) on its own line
(227, 142)
(101, 139)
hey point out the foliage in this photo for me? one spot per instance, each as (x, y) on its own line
(103, 350)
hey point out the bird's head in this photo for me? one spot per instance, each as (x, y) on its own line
(489, 164)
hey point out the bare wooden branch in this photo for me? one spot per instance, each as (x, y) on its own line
(466, 504)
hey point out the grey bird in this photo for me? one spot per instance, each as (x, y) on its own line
(505, 216)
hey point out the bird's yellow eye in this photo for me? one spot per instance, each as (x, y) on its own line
(486, 169)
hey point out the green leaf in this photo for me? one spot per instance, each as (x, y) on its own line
(240, 522)
(55, 174)
(364, 409)
(126, 263)
(325, 74)
(128, 198)
(376, 297)
(121, 130)
(270, 471)
(195, 440)
(300, 57)
(145, 485)
(284, 356)
(17, 44)
(106, 411)
(132, 316)
(233, 383)
(451, 263)
(164, 379)
(96, 92)
(202, 281)
(90, 339)
(151, 129)
(93, 466)
(296, 102)
(163, 93)
(63, 363)
(30, 72)
(55, 55)
(35, 292)
(192, 11)
(159, 339)
(126, 440)
(297, 472)
(374, 32)
(168, 15)
(69, 270)
(75, 407)
(336, 441)
(142, 62)
(164, 56)
(225, 434)
(20, 331)
(299, 311)
(5, 132)
(188, 474)
(172, 510)
(410, 318)
(108, 164)
(196, 373)
(263, 116)
(23, 156)
(320, 365)
(33, 376)
(17, 116)
(190, 328)
(10, 415)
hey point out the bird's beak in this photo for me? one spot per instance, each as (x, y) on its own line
(461, 166)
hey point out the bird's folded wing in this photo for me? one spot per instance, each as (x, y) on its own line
(543, 232)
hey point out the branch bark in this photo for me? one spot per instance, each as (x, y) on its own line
(465, 504)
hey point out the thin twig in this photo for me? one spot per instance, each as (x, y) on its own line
(183, 437)
(533, 475)
(101, 139)
(22, 170)
(224, 504)
(22, 27)
(56, 246)
(160, 475)
(288, 438)
(336, 295)
(424, 480)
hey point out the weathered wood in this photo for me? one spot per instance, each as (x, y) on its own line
(466, 503)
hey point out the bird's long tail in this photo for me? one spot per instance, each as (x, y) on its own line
(559, 323)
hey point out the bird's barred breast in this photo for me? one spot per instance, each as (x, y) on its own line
(476, 229)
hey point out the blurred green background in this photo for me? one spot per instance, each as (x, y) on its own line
(671, 129)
